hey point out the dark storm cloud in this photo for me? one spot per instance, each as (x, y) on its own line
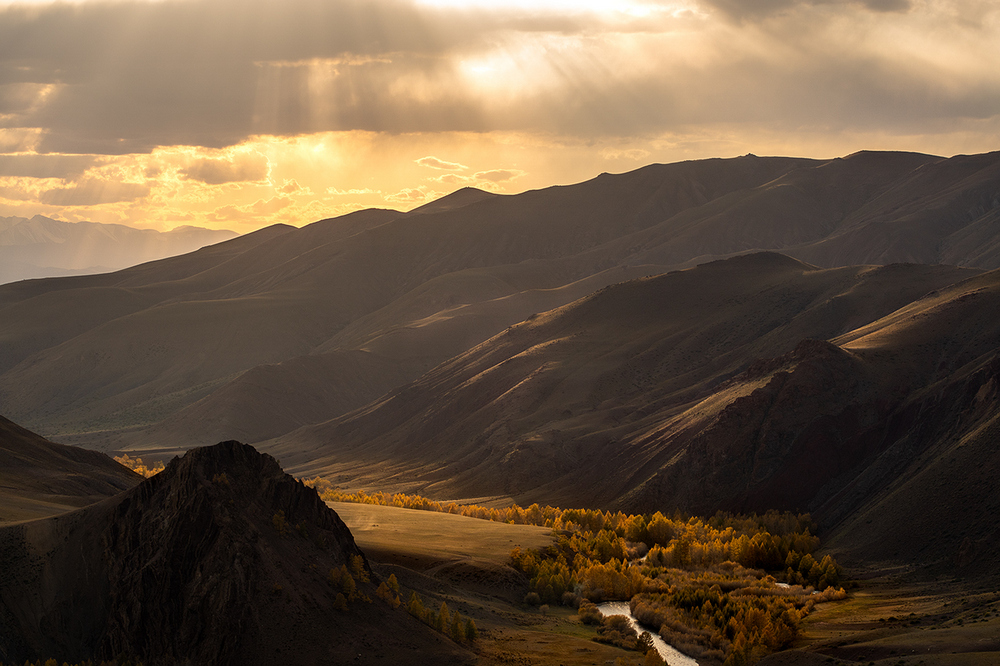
(17, 97)
(132, 76)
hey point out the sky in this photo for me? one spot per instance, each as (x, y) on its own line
(240, 114)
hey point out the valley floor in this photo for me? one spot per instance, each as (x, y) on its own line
(462, 561)
(886, 622)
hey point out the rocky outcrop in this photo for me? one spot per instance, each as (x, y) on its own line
(193, 556)
(222, 558)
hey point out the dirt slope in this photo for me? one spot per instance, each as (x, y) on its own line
(130, 348)
(41, 478)
(646, 396)
(541, 409)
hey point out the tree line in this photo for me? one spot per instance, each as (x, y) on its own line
(730, 588)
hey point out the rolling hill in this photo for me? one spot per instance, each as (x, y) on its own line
(865, 395)
(145, 357)
(40, 478)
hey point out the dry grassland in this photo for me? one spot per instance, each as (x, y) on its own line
(463, 562)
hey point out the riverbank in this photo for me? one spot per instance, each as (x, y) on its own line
(667, 652)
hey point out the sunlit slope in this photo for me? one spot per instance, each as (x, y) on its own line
(41, 478)
(888, 435)
(164, 335)
(99, 359)
(562, 407)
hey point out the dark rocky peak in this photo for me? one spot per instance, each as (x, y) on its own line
(222, 558)
(226, 477)
(199, 554)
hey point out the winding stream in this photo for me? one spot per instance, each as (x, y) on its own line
(668, 652)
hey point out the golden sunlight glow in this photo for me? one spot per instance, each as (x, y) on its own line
(299, 180)
(503, 95)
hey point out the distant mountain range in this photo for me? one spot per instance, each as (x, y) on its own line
(341, 311)
(560, 346)
(43, 247)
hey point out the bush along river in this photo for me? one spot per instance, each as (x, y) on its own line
(669, 654)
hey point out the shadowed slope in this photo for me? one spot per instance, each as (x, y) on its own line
(945, 211)
(193, 566)
(98, 360)
(457, 199)
(888, 435)
(161, 336)
(270, 400)
(630, 398)
(40, 478)
(545, 408)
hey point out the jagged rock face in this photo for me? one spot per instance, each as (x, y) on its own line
(222, 558)
(191, 554)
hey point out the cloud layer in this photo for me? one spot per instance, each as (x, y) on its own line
(122, 104)
(126, 77)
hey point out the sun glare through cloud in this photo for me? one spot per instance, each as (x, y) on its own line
(179, 112)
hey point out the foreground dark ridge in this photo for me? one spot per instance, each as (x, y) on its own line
(220, 559)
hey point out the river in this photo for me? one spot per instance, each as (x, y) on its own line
(668, 652)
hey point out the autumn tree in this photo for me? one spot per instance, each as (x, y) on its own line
(457, 628)
(358, 567)
(415, 606)
(443, 618)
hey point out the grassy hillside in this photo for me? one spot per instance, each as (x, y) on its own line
(113, 361)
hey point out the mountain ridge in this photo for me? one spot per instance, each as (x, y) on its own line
(42, 247)
(419, 289)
